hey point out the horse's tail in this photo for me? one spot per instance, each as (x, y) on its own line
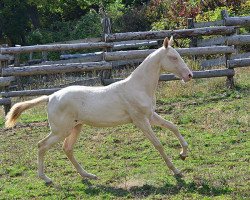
(18, 108)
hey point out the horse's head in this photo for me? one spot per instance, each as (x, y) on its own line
(172, 62)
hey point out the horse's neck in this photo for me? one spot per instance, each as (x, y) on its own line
(146, 76)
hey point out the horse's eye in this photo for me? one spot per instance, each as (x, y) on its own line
(173, 58)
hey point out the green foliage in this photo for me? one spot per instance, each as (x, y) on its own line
(37, 22)
(40, 37)
(212, 15)
(14, 21)
(87, 26)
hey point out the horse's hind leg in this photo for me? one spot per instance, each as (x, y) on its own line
(43, 146)
(68, 149)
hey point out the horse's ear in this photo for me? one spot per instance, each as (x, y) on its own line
(166, 42)
(171, 41)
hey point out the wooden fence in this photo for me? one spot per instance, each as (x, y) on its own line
(231, 39)
(108, 57)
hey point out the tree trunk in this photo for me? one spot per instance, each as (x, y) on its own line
(34, 16)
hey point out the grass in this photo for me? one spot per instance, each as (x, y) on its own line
(213, 119)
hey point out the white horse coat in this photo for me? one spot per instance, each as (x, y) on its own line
(131, 100)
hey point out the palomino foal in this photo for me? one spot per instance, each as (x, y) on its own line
(131, 100)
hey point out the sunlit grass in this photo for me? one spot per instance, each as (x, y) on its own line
(213, 119)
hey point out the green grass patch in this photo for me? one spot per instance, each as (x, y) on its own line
(214, 121)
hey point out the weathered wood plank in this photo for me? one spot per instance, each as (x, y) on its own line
(86, 82)
(55, 68)
(6, 81)
(206, 50)
(135, 54)
(6, 57)
(55, 47)
(219, 30)
(197, 74)
(126, 62)
(212, 41)
(38, 92)
(87, 57)
(243, 62)
(5, 101)
(238, 21)
(213, 62)
(238, 40)
(201, 74)
(222, 60)
(134, 44)
(125, 55)
(29, 92)
(229, 40)
(208, 24)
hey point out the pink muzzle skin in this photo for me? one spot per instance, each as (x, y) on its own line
(187, 77)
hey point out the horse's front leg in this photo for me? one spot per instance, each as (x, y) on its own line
(159, 121)
(144, 124)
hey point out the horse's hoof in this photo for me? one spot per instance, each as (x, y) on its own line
(48, 182)
(183, 157)
(91, 176)
(179, 175)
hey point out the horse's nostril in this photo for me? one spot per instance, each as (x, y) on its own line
(190, 76)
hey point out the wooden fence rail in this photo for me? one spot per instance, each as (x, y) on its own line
(55, 68)
(229, 40)
(228, 21)
(163, 77)
(5, 81)
(5, 101)
(220, 30)
(222, 60)
(238, 40)
(135, 54)
(56, 47)
(109, 58)
(24, 93)
(237, 21)
(196, 74)
(244, 62)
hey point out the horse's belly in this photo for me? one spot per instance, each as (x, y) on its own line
(104, 120)
(97, 114)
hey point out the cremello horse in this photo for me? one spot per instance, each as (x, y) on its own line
(131, 100)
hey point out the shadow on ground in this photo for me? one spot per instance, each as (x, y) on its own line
(202, 188)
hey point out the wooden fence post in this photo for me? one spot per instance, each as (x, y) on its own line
(3, 64)
(44, 56)
(194, 40)
(230, 79)
(17, 58)
(106, 25)
(190, 24)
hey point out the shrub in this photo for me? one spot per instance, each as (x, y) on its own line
(87, 26)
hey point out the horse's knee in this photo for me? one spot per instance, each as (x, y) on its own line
(67, 148)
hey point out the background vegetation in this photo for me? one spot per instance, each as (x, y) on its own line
(29, 22)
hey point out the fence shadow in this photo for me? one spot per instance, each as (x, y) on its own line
(204, 188)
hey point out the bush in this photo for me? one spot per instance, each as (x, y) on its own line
(87, 26)
(133, 19)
